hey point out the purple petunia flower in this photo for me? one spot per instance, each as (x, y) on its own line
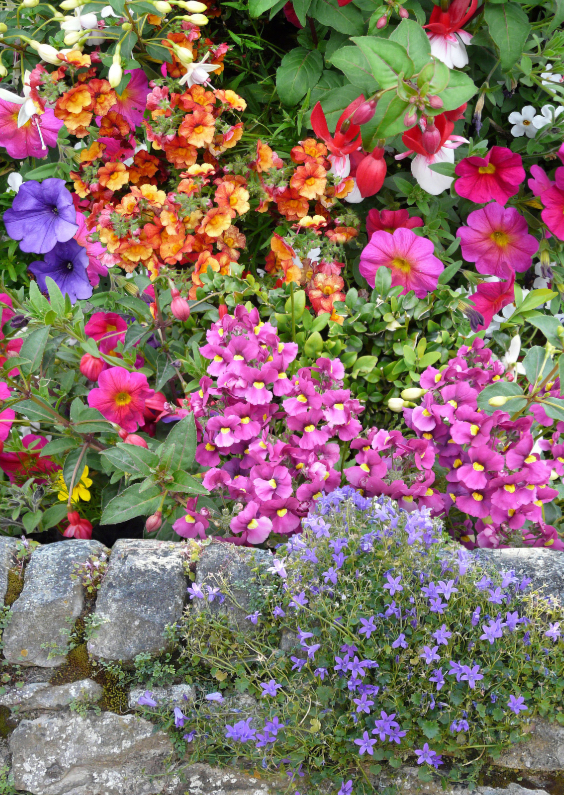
(517, 704)
(66, 264)
(42, 214)
(147, 700)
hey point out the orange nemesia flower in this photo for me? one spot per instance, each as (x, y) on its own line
(310, 150)
(309, 180)
(341, 234)
(113, 176)
(215, 222)
(233, 196)
(198, 128)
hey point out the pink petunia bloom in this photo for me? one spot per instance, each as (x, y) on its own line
(131, 104)
(390, 220)
(33, 138)
(539, 181)
(553, 202)
(107, 328)
(490, 298)
(408, 256)
(496, 236)
(19, 466)
(7, 311)
(95, 251)
(496, 176)
(121, 397)
(254, 529)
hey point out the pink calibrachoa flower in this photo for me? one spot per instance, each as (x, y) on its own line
(254, 529)
(107, 328)
(496, 176)
(7, 311)
(496, 236)
(490, 298)
(553, 203)
(33, 138)
(390, 220)
(121, 397)
(132, 102)
(95, 251)
(409, 257)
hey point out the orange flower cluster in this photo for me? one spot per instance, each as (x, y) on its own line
(78, 106)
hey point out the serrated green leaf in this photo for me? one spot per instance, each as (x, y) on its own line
(185, 483)
(299, 70)
(33, 349)
(509, 27)
(184, 438)
(387, 60)
(416, 42)
(345, 19)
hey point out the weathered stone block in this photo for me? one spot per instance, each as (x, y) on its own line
(544, 567)
(407, 782)
(49, 603)
(108, 754)
(201, 779)
(8, 549)
(175, 695)
(543, 749)
(42, 695)
(144, 590)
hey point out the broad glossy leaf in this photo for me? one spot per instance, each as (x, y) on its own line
(352, 61)
(299, 70)
(412, 36)
(346, 19)
(509, 28)
(130, 503)
(183, 437)
(387, 59)
(536, 368)
(459, 90)
(502, 389)
(33, 349)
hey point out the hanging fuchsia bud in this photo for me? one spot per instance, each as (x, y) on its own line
(431, 139)
(179, 307)
(154, 522)
(434, 101)
(364, 112)
(382, 22)
(91, 367)
(403, 12)
(132, 438)
(410, 118)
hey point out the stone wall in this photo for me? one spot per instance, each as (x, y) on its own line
(54, 750)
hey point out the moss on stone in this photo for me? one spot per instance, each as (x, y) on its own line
(500, 777)
(15, 586)
(7, 724)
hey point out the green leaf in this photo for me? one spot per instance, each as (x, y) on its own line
(129, 504)
(430, 728)
(35, 412)
(353, 62)
(558, 15)
(70, 465)
(364, 365)
(534, 299)
(301, 8)
(549, 327)
(416, 42)
(502, 389)
(86, 419)
(383, 281)
(186, 483)
(346, 19)
(299, 304)
(449, 272)
(33, 349)
(387, 59)
(145, 460)
(136, 334)
(554, 407)
(58, 446)
(54, 515)
(89, 346)
(56, 298)
(184, 438)
(447, 169)
(137, 305)
(299, 70)
(387, 121)
(165, 371)
(159, 53)
(509, 28)
(535, 366)
(118, 458)
(258, 7)
(459, 90)
(31, 520)
(429, 358)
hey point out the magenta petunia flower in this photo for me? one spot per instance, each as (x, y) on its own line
(553, 203)
(496, 236)
(254, 529)
(490, 298)
(121, 397)
(33, 138)
(496, 176)
(409, 257)
(390, 220)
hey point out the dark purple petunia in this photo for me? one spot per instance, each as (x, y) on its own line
(66, 264)
(42, 214)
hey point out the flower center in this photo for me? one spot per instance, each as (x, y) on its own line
(69, 266)
(239, 358)
(199, 129)
(245, 420)
(253, 524)
(310, 181)
(258, 385)
(301, 399)
(339, 406)
(525, 122)
(401, 264)
(489, 169)
(309, 428)
(500, 239)
(509, 488)
(123, 398)
(282, 512)
(530, 459)
(478, 467)
(478, 497)
(225, 430)
(272, 483)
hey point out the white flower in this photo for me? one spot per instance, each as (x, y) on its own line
(512, 355)
(549, 114)
(82, 21)
(523, 122)
(198, 73)
(549, 76)
(15, 180)
(355, 196)
(429, 180)
(340, 166)
(28, 108)
(450, 48)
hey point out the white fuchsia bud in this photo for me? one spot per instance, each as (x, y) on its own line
(116, 73)
(46, 52)
(162, 6)
(498, 401)
(193, 6)
(413, 393)
(197, 19)
(73, 37)
(396, 404)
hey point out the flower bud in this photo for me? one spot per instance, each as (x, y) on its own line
(197, 19)
(91, 367)
(73, 37)
(3, 27)
(162, 6)
(413, 393)
(46, 52)
(371, 172)
(364, 112)
(554, 475)
(179, 306)
(115, 73)
(434, 102)
(403, 12)
(70, 5)
(134, 439)
(431, 139)
(396, 404)
(183, 54)
(498, 401)
(410, 118)
(30, 3)
(382, 22)
(345, 126)
(127, 26)
(193, 6)
(222, 311)
(154, 522)
(3, 70)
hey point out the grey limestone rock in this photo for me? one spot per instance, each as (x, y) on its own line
(542, 749)
(228, 566)
(201, 779)
(544, 567)
(407, 782)
(8, 549)
(42, 695)
(107, 754)
(175, 695)
(49, 603)
(144, 590)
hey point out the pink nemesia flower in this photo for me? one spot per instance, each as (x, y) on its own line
(283, 514)
(215, 479)
(482, 460)
(255, 390)
(107, 328)
(223, 430)
(271, 482)
(255, 529)
(26, 141)
(496, 176)
(306, 424)
(408, 256)
(121, 397)
(95, 251)
(193, 524)
(305, 397)
(496, 236)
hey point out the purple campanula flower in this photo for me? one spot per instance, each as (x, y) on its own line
(527, 638)
(425, 754)
(357, 667)
(321, 673)
(393, 584)
(512, 620)
(270, 688)
(437, 677)
(273, 725)
(430, 654)
(368, 626)
(517, 704)
(215, 697)
(338, 544)
(264, 738)
(456, 669)
(299, 601)
(497, 596)
(483, 584)
(310, 556)
(214, 593)
(393, 610)
(195, 592)
(395, 734)
(278, 612)
(189, 737)
(349, 648)
(42, 214)
(365, 745)
(442, 635)
(254, 617)
(311, 650)
(492, 631)
(66, 264)
(459, 726)
(342, 663)
(298, 664)
(363, 704)
(509, 578)
(303, 635)
(553, 632)
(330, 575)
(353, 684)
(446, 588)
(437, 606)
(179, 718)
(339, 559)
(240, 731)
(524, 584)
(470, 675)
(476, 616)
(346, 789)
(384, 724)
(399, 641)
(430, 591)
(147, 700)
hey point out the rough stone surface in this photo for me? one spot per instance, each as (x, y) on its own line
(408, 783)
(8, 549)
(200, 779)
(229, 567)
(42, 695)
(543, 566)
(542, 750)
(175, 695)
(144, 590)
(48, 604)
(107, 754)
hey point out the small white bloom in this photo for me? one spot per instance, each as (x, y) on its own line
(523, 122)
(108, 11)
(549, 114)
(549, 76)
(15, 181)
(28, 108)
(450, 48)
(340, 166)
(512, 355)
(198, 73)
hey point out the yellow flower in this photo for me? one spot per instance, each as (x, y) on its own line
(79, 492)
